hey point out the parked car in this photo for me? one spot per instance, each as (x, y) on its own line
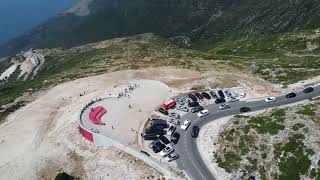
(193, 104)
(199, 96)
(183, 108)
(196, 109)
(213, 94)
(245, 109)
(158, 122)
(163, 111)
(149, 137)
(175, 138)
(185, 125)
(164, 139)
(228, 93)
(202, 113)
(224, 106)
(219, 100)
(270, 99)
(174, 121)
(167, 150)
(192, 97)
(168, 105)
(206, 95)
(291, 95)
(308, 90)
(221, 94)
(171, 157)
(158, 147)
(153, 143)
(171, 130)
(195, 131)
(154, 132)
(174, 115)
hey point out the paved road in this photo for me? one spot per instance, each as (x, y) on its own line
(190, 159)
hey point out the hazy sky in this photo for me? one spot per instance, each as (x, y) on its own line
(18, 16)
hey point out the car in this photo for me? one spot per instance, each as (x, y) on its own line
(168, 105)
(291, 95)
(149, 137)
(156, 127)
(224, 106)
(171, 130)
(163, 111)
(221, 94)
(196, 109)
(213, 94)
(245, 109)
(308, 90)
(270, 99)
(206, 95)
(199, 96)
(174, 121)
(219, 100)
(174, 115)
(228, 93)
(171, 157)
(182, 108)
(202, 113)
(175, 138)
(154, 132)
(158, 147)
(158, 122)
(193, 104)
(185, 125)
(195, 131)
(164, 139)
(153, 143)
(192, 97)
(167, 150)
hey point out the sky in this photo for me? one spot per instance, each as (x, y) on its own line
(19, 16)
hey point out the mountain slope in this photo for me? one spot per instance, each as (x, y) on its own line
(204, 21)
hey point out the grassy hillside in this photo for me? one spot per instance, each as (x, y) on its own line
(204, 21)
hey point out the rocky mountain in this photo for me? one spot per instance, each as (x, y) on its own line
(204, 22)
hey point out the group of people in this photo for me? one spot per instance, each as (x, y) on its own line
(130, 88)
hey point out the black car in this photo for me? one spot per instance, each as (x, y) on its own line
(153, 143)
(155, 132)
(175, 138)
(219, 100)
(163, 111)
(158, 147)
(149, 137)
(192, 97)
(196, 109)
(164, 139)
(195, 131)
(193, 104)
(159, 124)
(291, 95)
(206, 95)
(221, 94)
(156, 127)
(245, 109)
(213, 94)
(199, 96)
(308, 90)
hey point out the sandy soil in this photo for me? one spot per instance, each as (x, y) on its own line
(42, 137)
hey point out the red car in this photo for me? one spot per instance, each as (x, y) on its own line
(169, 104)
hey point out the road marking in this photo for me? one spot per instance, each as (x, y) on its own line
(191, 160)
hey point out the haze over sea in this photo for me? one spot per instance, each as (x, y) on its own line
(18, 16)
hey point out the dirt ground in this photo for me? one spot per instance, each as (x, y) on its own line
(42, 138)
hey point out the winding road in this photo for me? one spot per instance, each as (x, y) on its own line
(190, 159)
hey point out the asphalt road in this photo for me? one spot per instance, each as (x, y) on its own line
(190, 159)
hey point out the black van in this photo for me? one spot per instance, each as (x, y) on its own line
(149, 137)
(193, 104)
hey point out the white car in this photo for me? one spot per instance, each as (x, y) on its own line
(270, 99)
(171, 157)
(224, 106)
(167, 150)
(185, 125)
(203, 113)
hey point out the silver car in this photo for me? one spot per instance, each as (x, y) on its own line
(224, 106)
(171, 157)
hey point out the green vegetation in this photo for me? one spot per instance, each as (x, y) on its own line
(273, 144)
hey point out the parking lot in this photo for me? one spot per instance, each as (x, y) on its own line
(161, 132)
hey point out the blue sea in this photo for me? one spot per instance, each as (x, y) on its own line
(19, 16)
